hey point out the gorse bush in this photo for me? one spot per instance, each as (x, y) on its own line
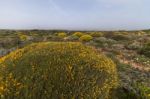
(56, 71)
(62, 35)
(23, 37)
(96, 34)
(78, 34)
(86, 38)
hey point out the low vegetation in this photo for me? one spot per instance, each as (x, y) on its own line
(128, 49)
(86, 38)
(145, 50)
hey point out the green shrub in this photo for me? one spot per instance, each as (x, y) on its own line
(103, 40)
(78, 34)
(138, 91)
(86, 38)
(72, 38)
(109, 34)
(120, 37)
(145, 50)
(100, 39)
(133, 46)
(56, 71)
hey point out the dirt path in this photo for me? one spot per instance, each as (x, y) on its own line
(123, 60)
(133, 64)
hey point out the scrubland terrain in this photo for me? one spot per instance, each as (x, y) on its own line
(129, 50)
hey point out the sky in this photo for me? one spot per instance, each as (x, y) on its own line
(75, 14)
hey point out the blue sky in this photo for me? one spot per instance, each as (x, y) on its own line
(75, 14)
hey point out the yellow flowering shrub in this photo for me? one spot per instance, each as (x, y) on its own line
(53, 70)
(78, 34)
(96, 34)
(22, 37)
(62, 35)
(86, 38)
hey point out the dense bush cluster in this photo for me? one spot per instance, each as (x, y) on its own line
(133, 46)
(86, 38)
(78, 34)
(23, 37)
(96, 34)
(56, 71)
(120, 37)
(62, 35)
(9, 42)
(72, 38)
(145, 50)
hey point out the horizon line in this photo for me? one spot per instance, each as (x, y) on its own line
(59, 29)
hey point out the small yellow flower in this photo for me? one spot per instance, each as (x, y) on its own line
(1, 88)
